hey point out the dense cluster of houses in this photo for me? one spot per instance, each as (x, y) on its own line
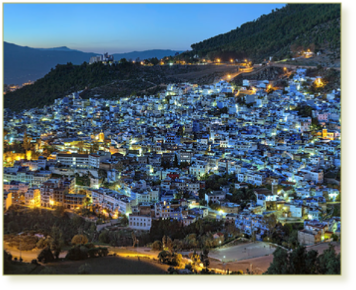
(139, 154)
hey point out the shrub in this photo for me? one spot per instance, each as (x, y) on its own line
(79, 240)
(157, 246)
(173, 259)
(164, 257)
(104, 237)
(84, 269)
(77, 253)
(45, 255)
(103, 252)
(176, 259)
(93, 253)
(334, 237)
(89, 246)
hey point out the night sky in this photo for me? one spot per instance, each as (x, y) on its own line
(119, 28)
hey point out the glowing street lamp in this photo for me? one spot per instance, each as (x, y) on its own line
(51, 202)
(318, 82)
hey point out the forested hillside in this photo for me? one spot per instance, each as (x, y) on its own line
(65, 79)
(113, 81)
(295, 26)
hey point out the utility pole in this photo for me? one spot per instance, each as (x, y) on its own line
(252, 231)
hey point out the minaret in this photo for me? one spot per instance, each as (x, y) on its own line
(274, 187)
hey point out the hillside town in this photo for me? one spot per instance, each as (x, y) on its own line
(244, 155)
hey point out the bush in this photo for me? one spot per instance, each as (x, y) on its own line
(45, 255)
(77, 253)
(157, 246)
(79, 240)
(84, 269)
(173, 259)
(48, 271)
(164, 257)
(89, 246)
(103, 252)
(104, 237)
(176, 259)
(97, 252)
(334, 237)
(93, 253)
(172, 270)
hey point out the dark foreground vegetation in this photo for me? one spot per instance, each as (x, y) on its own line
(301, 261)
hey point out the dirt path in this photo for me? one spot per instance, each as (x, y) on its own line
(290, 66)
(204, 71)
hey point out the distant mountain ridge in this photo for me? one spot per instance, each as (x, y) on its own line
(23, 63)
(61, 48)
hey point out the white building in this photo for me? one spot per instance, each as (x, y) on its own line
(140, 222)
(95, 159)
(73, 160)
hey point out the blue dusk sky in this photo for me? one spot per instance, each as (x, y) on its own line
(119, 28)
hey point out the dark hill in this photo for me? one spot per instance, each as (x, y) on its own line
(115, 81)
(121, 79)
(296, 26)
